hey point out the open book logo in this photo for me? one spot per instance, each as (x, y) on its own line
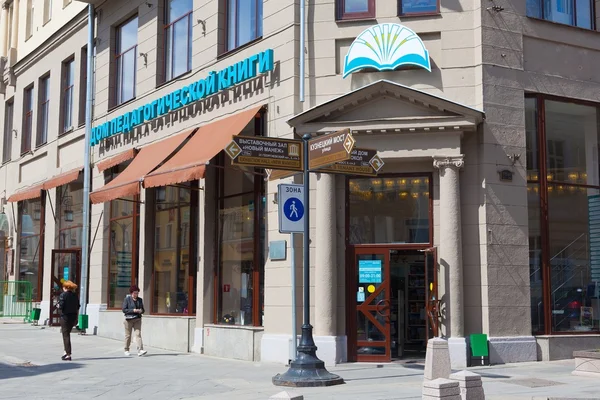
(386, 47)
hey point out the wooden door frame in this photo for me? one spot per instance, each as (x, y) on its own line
(354, 307)
(77, 252)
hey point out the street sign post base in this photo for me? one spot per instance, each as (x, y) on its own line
(307, 370)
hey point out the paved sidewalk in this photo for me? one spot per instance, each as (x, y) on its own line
(30, 368)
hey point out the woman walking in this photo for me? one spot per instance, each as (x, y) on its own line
(68, 303)
(133, 308)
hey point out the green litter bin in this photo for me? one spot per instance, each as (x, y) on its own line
(83, 322)
(35, 314)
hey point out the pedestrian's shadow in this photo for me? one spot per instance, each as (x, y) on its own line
(10, 371)
(126, 357)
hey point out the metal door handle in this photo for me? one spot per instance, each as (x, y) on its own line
(383, 307)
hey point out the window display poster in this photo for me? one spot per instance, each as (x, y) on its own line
(369, 271)
(419, 6)
(594, 225)
(360, 297)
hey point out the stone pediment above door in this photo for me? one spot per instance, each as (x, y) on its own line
(388, 107)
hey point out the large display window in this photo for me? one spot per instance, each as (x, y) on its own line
(564, 214)
(175, 244)
(123, 244)
(31, 243)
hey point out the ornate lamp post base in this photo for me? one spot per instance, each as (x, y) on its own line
(307, 370)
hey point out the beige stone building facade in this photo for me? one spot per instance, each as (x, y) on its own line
(483, 218)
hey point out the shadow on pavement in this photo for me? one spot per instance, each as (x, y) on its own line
(9, 371)
(380, 377)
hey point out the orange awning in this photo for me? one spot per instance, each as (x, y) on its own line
(189, 163)
(116, 160)
(62, 179)
(32, 192)
(127, 183)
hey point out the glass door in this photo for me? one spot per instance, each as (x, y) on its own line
(66, 265)
(372, 327)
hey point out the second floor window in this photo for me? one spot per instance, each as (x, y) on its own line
(67, 94)
(355, 9)
(126, 60)
(570, 12)
(8, 131)
(178, 38)
(44, 111)
(27, 120)
(244, 22)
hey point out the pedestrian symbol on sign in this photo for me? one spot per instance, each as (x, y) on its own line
(293, 209)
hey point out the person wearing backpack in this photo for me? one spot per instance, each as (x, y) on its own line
(133, 308)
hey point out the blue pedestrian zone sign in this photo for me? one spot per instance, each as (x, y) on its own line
(291, 208)
(369, 271)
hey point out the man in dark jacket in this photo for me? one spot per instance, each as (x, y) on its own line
(68, 303)
(133, 308)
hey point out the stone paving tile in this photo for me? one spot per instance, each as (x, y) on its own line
(101, 371)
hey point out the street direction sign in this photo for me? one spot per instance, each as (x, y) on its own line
(330, 149)
(290, 198)
(275, 174)
(264, 152)
(361, 162)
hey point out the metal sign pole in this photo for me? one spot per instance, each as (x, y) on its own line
(307, 370)
(294, 328)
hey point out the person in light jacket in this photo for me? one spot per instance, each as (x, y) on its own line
(68, 304)
(133, 308)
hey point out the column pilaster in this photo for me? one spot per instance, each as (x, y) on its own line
(451, 239)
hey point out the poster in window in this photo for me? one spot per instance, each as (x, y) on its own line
(123, 269)
(419, 6)
(369, 271)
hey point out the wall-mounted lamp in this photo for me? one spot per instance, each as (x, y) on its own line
(513, 158)
(15, 132)
(203, 23)
(68, 215)
(145, 55)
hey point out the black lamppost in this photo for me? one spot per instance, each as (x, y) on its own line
(306, 370)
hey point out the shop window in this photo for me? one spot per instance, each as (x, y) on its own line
(244, 22)
(173, 275)
(69, 214)
(8, 131)
(355, 9)
(570, 12)
(31, 242)
(68, 88)
(563, 254)
(390, 210)
(123, 244)
(126, 56)
(27, 120)
(178, 38)
(418, 7)
(43, 111)
(241, 242)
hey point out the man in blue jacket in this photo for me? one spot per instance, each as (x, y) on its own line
(133, 308)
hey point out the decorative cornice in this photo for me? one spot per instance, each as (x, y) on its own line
(442, 162)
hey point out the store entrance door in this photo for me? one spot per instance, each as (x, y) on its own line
(395, 297)
(66, 265)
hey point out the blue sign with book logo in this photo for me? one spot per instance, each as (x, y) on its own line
(386, 47)
(369, 271)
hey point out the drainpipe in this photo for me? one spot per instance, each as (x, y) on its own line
(302, 31)
(85, 247)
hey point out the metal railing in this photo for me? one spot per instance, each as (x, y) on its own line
(16, 299)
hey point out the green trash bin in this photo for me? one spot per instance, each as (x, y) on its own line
(83, 322)
(35, 314)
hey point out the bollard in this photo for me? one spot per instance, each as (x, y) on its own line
(470, 385)
(441, 389)
(437, 359)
